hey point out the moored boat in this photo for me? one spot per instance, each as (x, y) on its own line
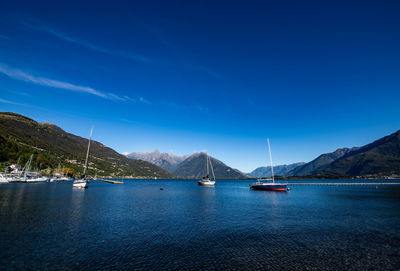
(3, 179)
(271, 185)
(207, 181)
(83, 181)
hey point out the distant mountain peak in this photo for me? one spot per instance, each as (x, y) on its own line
(195, 166)
(281, 170)
(191, 165)
(165, 160)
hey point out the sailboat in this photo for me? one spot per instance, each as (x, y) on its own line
(82, 182)
(269, 186)
(24, 174)
(206, 181)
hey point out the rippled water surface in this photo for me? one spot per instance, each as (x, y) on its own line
(138, 226)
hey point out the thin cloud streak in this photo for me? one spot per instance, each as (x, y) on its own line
(26, 77)
(23, 76)
(122, 54)
(10, 102)
(63, 36)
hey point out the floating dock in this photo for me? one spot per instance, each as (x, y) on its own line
(110, 181)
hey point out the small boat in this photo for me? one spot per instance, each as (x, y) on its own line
(37, 179)
(271, 185)
(61, 179)
(80, 183)
(206, 181)
(83, 181)
(3, 179)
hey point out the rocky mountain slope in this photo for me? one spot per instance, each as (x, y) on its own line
(379, 158)
(319, 162)
(21, 136)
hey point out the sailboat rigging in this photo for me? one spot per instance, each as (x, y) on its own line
(83, 181)
(270, 186)
(206, 181)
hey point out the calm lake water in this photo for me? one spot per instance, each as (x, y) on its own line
(137, 226)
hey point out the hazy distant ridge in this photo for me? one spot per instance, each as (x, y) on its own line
(281, 170)
(164, 160)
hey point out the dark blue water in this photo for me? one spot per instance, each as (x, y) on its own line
(137, 226)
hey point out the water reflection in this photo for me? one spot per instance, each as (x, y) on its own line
(186, 226)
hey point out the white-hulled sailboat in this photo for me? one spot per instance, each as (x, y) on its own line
(206, 181)
(270, 186)
(82, 182)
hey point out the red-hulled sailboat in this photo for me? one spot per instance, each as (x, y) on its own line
(272, 185)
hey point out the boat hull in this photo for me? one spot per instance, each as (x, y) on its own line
(269, 187)
(80, 184)
(206, 183)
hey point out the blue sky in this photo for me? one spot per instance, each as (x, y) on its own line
(186, 76)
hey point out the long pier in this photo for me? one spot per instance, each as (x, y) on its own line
(110, 181)
(344, 183)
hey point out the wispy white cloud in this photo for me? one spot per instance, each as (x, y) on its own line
(123, 54)
(94, 47)
(26, 77)
(23, 76)
(10, 102)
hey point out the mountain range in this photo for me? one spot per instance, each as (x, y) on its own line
(379, 158)
(167, 161)
(187, 166)
(319, 162)
(281, 170)
(21, 136)
(50, 145)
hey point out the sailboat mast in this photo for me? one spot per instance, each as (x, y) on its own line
(212, 169)
(87, 153)
(208, 170)
(270, 159)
